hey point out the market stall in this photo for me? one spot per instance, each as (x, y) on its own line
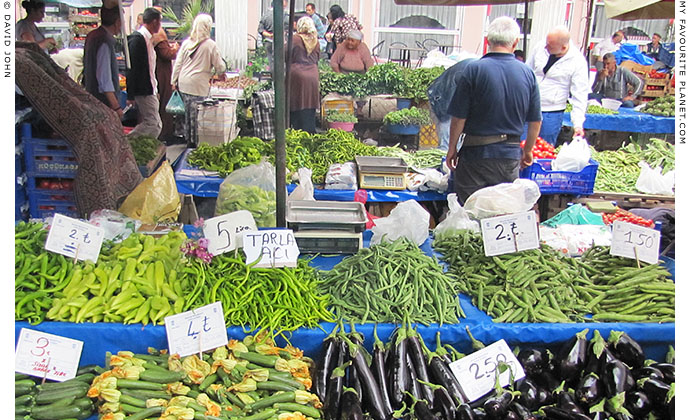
(627, 120)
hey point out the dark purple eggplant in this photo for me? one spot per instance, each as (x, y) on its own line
(622, 416)
(496, 407)
(566, 401)
(325, 365)
(479, 414)
(545, 396)
(647, 372)
(528, 393)
(557, 413)
(414, 350)
(522, 412)
(596, 354)
(336, 380)
(548, 380)
(669, 371)
(400, 378)
(476, 344)
(572, 357)
(589, 390)
(378, 367)
(600, 415)
(440, 350)
(444, 404)
(481, 400)
(656, 390)
(350, 407)
(511, 415)
(532, 361)
(464, 412)
(423, 412)
(415, 387)
(671, 408)
(626, 349)
(367, 382)
(353, 381)
(616, 378)
(638, 404)
(442, 375)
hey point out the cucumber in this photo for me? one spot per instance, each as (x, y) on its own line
(130, 400)
(145, 394)
(56, 386)
(46, 397)
(20, 376)
(95, 369)
(65, 402)
(130, 409)
(161, 377)
(24, 400)
(22, 410)
(146, 413)
(23, 389)
(56, 413)
(134, 384)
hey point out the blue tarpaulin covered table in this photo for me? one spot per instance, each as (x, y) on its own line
(627, 120)
(99, 338)
(201, 183)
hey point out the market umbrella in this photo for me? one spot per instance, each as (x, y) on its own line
(640, 9)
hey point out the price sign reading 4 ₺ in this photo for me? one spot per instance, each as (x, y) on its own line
(47, 355)
(196, 330)
(636, 242)
(510, 233)
(74, 238)
(224, 233)
(274, 248)
(476, 372)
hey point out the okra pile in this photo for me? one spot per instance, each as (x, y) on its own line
(252, 379)
(389, 282)
(543, 285)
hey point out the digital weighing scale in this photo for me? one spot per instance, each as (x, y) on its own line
(326, 227)
(382, 173)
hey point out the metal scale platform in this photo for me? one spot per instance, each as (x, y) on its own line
(326, 227)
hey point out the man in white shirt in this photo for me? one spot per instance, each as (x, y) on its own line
(606, 46)
(561, 72)
(142, 86)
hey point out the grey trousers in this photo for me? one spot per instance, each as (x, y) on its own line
(190, 118)
(150, 123)
(473, 175)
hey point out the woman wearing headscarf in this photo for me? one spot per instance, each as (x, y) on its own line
(166, 52)
(197, 58)
(26, 29)
(353, 55)
(304, 76)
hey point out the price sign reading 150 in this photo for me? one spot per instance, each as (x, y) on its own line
(636, 242)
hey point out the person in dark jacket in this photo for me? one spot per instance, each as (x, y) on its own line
(654, 47)
(142, 86)
(304, 76)
(101, 77)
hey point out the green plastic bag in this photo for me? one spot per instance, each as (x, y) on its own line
(175, 105)
(576, 214)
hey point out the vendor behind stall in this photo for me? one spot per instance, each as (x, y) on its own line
(353, 55)
(612, 82)
(27, 30)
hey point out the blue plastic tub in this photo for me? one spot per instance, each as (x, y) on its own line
(561, 182)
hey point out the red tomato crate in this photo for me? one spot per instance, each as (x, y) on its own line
(44, 203)
(561, 182)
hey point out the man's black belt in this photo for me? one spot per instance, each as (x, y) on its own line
(471, 140)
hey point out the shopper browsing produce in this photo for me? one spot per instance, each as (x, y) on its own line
(353, 55)
(496, 95)
(26, 28)
(304, 76)
(166, 52)
(562, 73)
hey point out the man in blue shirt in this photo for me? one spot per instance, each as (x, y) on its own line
(318, 23)
(494, 97)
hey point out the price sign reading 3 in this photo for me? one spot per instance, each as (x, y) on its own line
(224, 233)
(197, 330)
(634, 241)
(47, 355)
(510, 233)
(476, 372)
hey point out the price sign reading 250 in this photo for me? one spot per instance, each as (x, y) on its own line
(488, 368)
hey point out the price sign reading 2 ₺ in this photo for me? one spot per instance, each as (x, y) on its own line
(637, 242)
(476, 372)
(47, 355)
(510, 233)
(196, 330)
(74, 238)
(224, 233)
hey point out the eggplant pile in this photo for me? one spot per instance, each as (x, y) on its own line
(402, 379)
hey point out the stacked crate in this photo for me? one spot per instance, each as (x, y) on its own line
(21, 205)
(655, 88)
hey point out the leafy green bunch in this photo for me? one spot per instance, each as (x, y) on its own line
(408, 116)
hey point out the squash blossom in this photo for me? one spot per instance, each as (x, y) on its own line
(156, 402)
(174, 363)
(237, 347)
(180, 401)
(106, 380)
(125, 358)
(178, 388)
(220, 353)
(267, 349)
(114, 416)
(110, 395)
(259, 375)
(212, 408)
(177, 413)
(292, 416)
(247, 385)
(244, 397)
(127, 372)
(196, 368)
(109, 407)
(304, 397)
(227, 364)
(294, 352)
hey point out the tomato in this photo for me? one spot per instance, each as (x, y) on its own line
(55, 185)
(44, 184)
(44, 158)
(522, 144)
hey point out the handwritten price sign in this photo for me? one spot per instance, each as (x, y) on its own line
(46, 355)
(510, 233)
(476, 372)
(74, 238)
(273, 248)
(636, 242)
(196, 330)
(224, 233)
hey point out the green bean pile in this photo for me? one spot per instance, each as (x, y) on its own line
(543, 285)
(428, 158)
(390, 282)
(271, 299)
(631, 294)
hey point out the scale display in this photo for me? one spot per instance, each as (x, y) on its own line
(382, 181)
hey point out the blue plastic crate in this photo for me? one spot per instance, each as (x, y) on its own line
(44, 203)
(561, 182)
(18, 160)
(47, 157)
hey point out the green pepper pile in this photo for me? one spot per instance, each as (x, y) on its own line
(145, 149)
(225, 158)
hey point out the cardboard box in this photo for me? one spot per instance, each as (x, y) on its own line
(636, 67)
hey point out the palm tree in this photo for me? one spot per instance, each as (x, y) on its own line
(190, 11)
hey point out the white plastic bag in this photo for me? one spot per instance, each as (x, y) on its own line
(251, 188)
(341, 176)
(116, 225)
(507, 198)
(573, 157)
(651, 181)
(574, 240)
(408, 219)
(457, 218)
(305, 189)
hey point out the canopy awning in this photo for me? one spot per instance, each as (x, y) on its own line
(640, 9)
(457, 2)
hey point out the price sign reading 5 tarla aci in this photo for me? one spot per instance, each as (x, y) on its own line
(273, 248)
(476, 372)
(510, 233)
(196, 330)
(46, 355)
(224, 233)
(636, 242)
(74, 238)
